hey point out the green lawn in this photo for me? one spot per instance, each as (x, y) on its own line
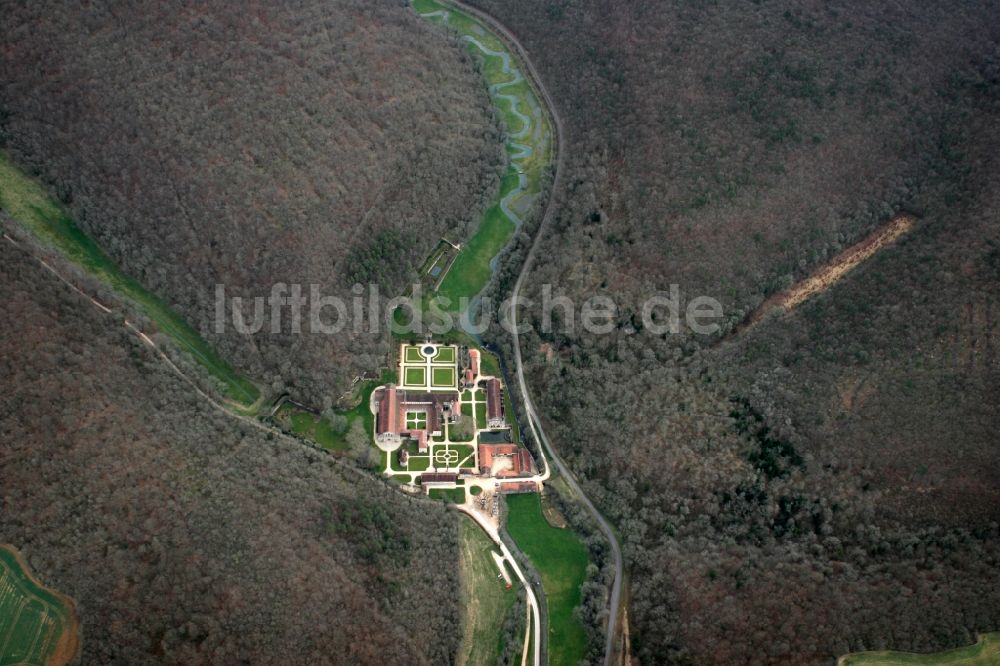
(394, 463)
(509, 415)
(453, 454)
(416, 420)
(488, 364)
(561, 560)
(444, 457)
(444, 355)
(486, 600)
(986, 652)
(29, 204)
(443, 377)
(418, 463)
(36, 624)
(449, 495)
(413, 355)
(480, 415)
(415, 377)
(464, 450)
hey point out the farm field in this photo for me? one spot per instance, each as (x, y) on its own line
(487, 601)
(37, 625)
(29, 204)
(561, 560)
(986, 652)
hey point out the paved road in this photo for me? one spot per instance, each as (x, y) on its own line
(533, 420)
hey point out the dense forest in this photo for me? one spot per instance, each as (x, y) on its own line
(251, 144)
(826, 482)
(185, 536)
(823, 483)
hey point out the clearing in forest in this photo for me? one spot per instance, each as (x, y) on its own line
(27, 202)
(37, 625)
(839, 266)
(986, 652)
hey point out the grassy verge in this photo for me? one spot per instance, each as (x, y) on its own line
(986, 652)
(30, 205)
(561, 560)
(487, 602)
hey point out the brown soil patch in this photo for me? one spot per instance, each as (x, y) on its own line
(552, 514)
(828, 275)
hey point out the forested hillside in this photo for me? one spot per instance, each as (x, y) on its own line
(251, 144)
(186, 537)
(827, 481)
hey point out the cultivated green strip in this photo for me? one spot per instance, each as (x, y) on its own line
(27, 202)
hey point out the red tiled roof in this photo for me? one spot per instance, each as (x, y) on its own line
(388, 412)
(440, 477)
(518, 487)
(494, 399)
(520, 459)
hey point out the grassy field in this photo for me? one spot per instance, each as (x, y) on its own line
(319, 430)
(561, 560)
(480, 415)
(986, 652)
(471, 270)
(37, 626)
(487, 602)
(29, 204)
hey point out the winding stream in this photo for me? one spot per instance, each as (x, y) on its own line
(534, 131)
(529, 141)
